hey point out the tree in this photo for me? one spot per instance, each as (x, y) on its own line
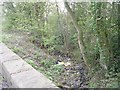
(80, 35)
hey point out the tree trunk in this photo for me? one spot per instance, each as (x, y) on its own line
(102, 35)
(119, 38)
(63, 30)
(119, 25)
(79, 32)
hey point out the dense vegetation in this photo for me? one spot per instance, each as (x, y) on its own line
(88, 33)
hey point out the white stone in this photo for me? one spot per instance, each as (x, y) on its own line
(8, 57)
(20, 74)
(16, 66)
(31, 79)
(3, 48)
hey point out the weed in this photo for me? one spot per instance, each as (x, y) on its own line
(48, 67)
(16, 49)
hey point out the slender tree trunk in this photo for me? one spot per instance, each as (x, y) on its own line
(119, 25)
(63, 31)
(102, 35)
(80, 40)
(119, 38)
(39, 16)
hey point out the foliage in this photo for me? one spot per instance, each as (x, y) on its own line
(96, 25)
(48, 67)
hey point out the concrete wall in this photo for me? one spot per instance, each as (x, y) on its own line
(18, 73)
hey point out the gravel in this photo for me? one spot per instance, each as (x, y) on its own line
(3, 83)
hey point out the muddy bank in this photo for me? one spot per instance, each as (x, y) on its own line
(74, 74)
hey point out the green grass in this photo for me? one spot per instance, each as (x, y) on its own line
(5, 37)
(48, 68)
(105, 83)
(0, 33)
(16, 49)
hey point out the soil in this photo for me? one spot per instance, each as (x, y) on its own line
(73, 76)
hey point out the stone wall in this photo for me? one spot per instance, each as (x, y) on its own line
(20, 74)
